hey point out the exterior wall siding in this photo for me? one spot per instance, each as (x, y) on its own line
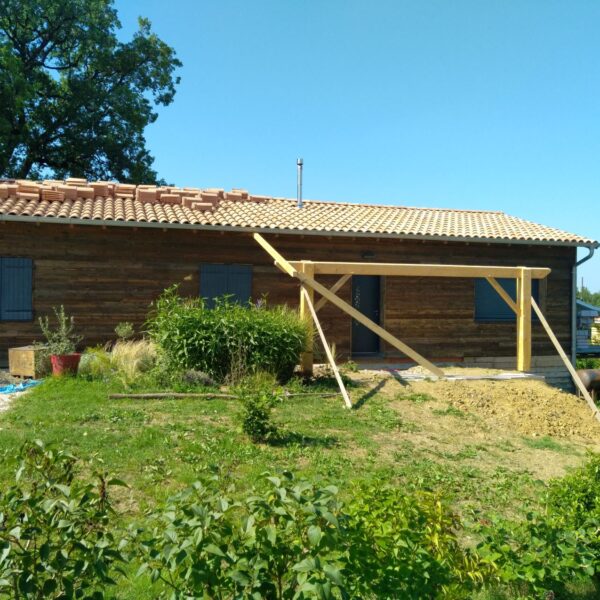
(107, 275)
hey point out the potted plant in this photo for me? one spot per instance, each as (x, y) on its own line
(61, 342)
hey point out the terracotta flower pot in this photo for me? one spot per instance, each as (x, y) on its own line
(65, 364)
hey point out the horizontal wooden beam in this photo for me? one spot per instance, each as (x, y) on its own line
(418, 270)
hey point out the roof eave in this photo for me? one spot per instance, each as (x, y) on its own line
(239, 229)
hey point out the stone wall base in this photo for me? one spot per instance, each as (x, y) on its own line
(551, 368)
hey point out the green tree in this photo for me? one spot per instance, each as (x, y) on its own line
(587, 296)
(75, 99)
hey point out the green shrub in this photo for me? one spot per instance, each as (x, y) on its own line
(60, 339)
(588, 363)
(229, 339)
(282, 542)
(95, 364)
(258, 394)
(55, 539)
(535, 558)
(124, 330)
(404, 546)
(573, 503)
(548, 550)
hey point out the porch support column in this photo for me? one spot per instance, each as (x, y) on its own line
(524, 320)
(307, 358)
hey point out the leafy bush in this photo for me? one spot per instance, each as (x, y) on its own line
(550, 549)
(55, 539)
(280, 543)
(227, 338)
(259, 394)
(60, 339)
(124, 330)
(536, 557)
(95, 364)
(404, 546)
(574, 503)
(588, 363)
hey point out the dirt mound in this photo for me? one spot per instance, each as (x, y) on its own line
(528, 407)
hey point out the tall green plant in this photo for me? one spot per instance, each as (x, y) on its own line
(229, 338)
(281, 543)
(405, 546)
(55, 530)
(61, 337)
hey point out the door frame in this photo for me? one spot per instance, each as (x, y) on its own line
(381, 321)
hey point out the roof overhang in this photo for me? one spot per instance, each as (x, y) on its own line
(302, 232)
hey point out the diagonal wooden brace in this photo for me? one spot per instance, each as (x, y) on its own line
(285, 266)
(333, 289)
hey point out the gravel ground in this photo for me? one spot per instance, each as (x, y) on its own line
(5, 399)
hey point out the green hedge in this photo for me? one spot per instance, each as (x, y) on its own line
(287, 539)
(229, 339)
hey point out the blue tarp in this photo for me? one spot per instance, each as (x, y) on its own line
(18, 387)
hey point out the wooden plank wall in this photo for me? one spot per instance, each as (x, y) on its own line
(104, 276)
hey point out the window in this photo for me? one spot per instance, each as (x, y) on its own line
(234, 280)
(16, 286)
(490, 307)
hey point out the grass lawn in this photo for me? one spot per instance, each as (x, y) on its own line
(398, 433)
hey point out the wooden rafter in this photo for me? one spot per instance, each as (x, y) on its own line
(292, 271)
(420, 270)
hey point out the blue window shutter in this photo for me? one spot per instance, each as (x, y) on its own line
(489, 306)
(239, 282)
(213, 282)
(16, 289)
(217, 280)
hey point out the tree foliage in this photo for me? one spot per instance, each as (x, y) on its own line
(587, 296)
(75, 98)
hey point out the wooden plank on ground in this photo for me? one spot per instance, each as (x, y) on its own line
(565, 359)
(285, 266)
(328, 352)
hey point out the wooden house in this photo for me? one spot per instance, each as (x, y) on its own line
(106, 251)
(588, 329)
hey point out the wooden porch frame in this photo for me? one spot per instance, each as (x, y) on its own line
(305, 271)
(518, 309)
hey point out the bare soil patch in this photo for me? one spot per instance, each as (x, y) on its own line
(520, 425)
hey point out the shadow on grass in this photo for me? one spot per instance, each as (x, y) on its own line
(293, 438)
(399, 379)
(368, 395)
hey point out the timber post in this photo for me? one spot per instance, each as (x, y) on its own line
(524, 320)
(307, 358)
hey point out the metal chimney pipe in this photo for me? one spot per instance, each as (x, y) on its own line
(300, 164)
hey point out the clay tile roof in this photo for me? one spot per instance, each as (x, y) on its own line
(105, 202)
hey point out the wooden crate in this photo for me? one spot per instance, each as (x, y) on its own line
(25, 362)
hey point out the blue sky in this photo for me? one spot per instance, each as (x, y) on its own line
(463, 104)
